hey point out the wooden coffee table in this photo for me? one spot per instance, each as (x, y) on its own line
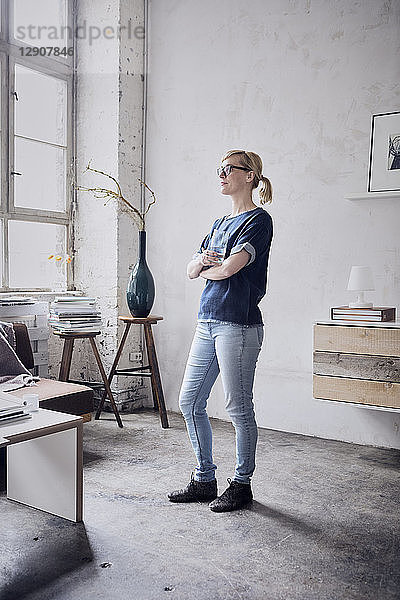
(44, 462)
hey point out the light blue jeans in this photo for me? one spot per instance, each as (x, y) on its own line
(231, 350)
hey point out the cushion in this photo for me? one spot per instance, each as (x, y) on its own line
(23, 345)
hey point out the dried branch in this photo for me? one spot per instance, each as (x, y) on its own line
(100, 192)
(89, 168)
(152, 193)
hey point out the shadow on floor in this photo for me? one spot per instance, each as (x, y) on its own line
(92, 457)
(387, 459)
(284, 519)
(67, 550)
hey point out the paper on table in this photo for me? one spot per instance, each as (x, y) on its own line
(8, 401)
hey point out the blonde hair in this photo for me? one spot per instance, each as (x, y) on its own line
(251, 161)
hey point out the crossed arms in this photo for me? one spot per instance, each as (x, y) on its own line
(217, 271)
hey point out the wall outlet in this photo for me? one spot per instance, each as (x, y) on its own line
(135, 356)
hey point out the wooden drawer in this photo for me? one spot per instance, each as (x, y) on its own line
(357, 366)
(360, 391)
(357, 340)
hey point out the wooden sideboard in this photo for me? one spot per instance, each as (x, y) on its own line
(357, 362)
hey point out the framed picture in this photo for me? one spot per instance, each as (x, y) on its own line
(384, 158)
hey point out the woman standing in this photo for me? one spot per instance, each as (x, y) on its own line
(233, 259)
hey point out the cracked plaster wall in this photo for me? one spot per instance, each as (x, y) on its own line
(296, 81)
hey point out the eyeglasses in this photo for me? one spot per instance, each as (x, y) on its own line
(225, 171)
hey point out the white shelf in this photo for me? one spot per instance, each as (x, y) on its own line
(374, 196)
(359, 405)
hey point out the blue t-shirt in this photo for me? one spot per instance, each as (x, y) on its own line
(236, 298)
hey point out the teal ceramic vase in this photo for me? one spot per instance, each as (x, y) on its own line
(141, 291)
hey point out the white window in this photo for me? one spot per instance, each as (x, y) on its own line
(36, 126)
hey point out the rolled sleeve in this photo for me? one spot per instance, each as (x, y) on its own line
(256, 237)
(248, 247)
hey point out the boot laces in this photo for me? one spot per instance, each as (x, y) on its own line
(230, 492)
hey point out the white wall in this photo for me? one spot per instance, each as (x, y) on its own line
(297, 82)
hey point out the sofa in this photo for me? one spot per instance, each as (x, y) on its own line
(71, 398)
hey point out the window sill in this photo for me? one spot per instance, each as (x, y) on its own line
(395, 195)
(37, 293)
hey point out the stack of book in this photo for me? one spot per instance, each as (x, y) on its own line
(375, 313)
(15, 300)
(12, 409)
(74, 314)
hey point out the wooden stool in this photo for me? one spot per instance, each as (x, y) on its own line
(152, 368)
(66, 359)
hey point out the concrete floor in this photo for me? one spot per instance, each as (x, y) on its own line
(324, 524)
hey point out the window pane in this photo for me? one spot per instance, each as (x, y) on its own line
(43, 171)
(41, 109)
(41, 22)
(30, 246)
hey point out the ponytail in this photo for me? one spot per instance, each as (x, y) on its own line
(265, 191)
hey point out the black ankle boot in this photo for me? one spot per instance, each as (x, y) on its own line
(234, 497)
(195, 491)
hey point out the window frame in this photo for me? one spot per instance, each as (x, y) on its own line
(64, 69)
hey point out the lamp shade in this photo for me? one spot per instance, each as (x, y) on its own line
(360, 279)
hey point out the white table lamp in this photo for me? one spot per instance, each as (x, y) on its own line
(360, 280)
